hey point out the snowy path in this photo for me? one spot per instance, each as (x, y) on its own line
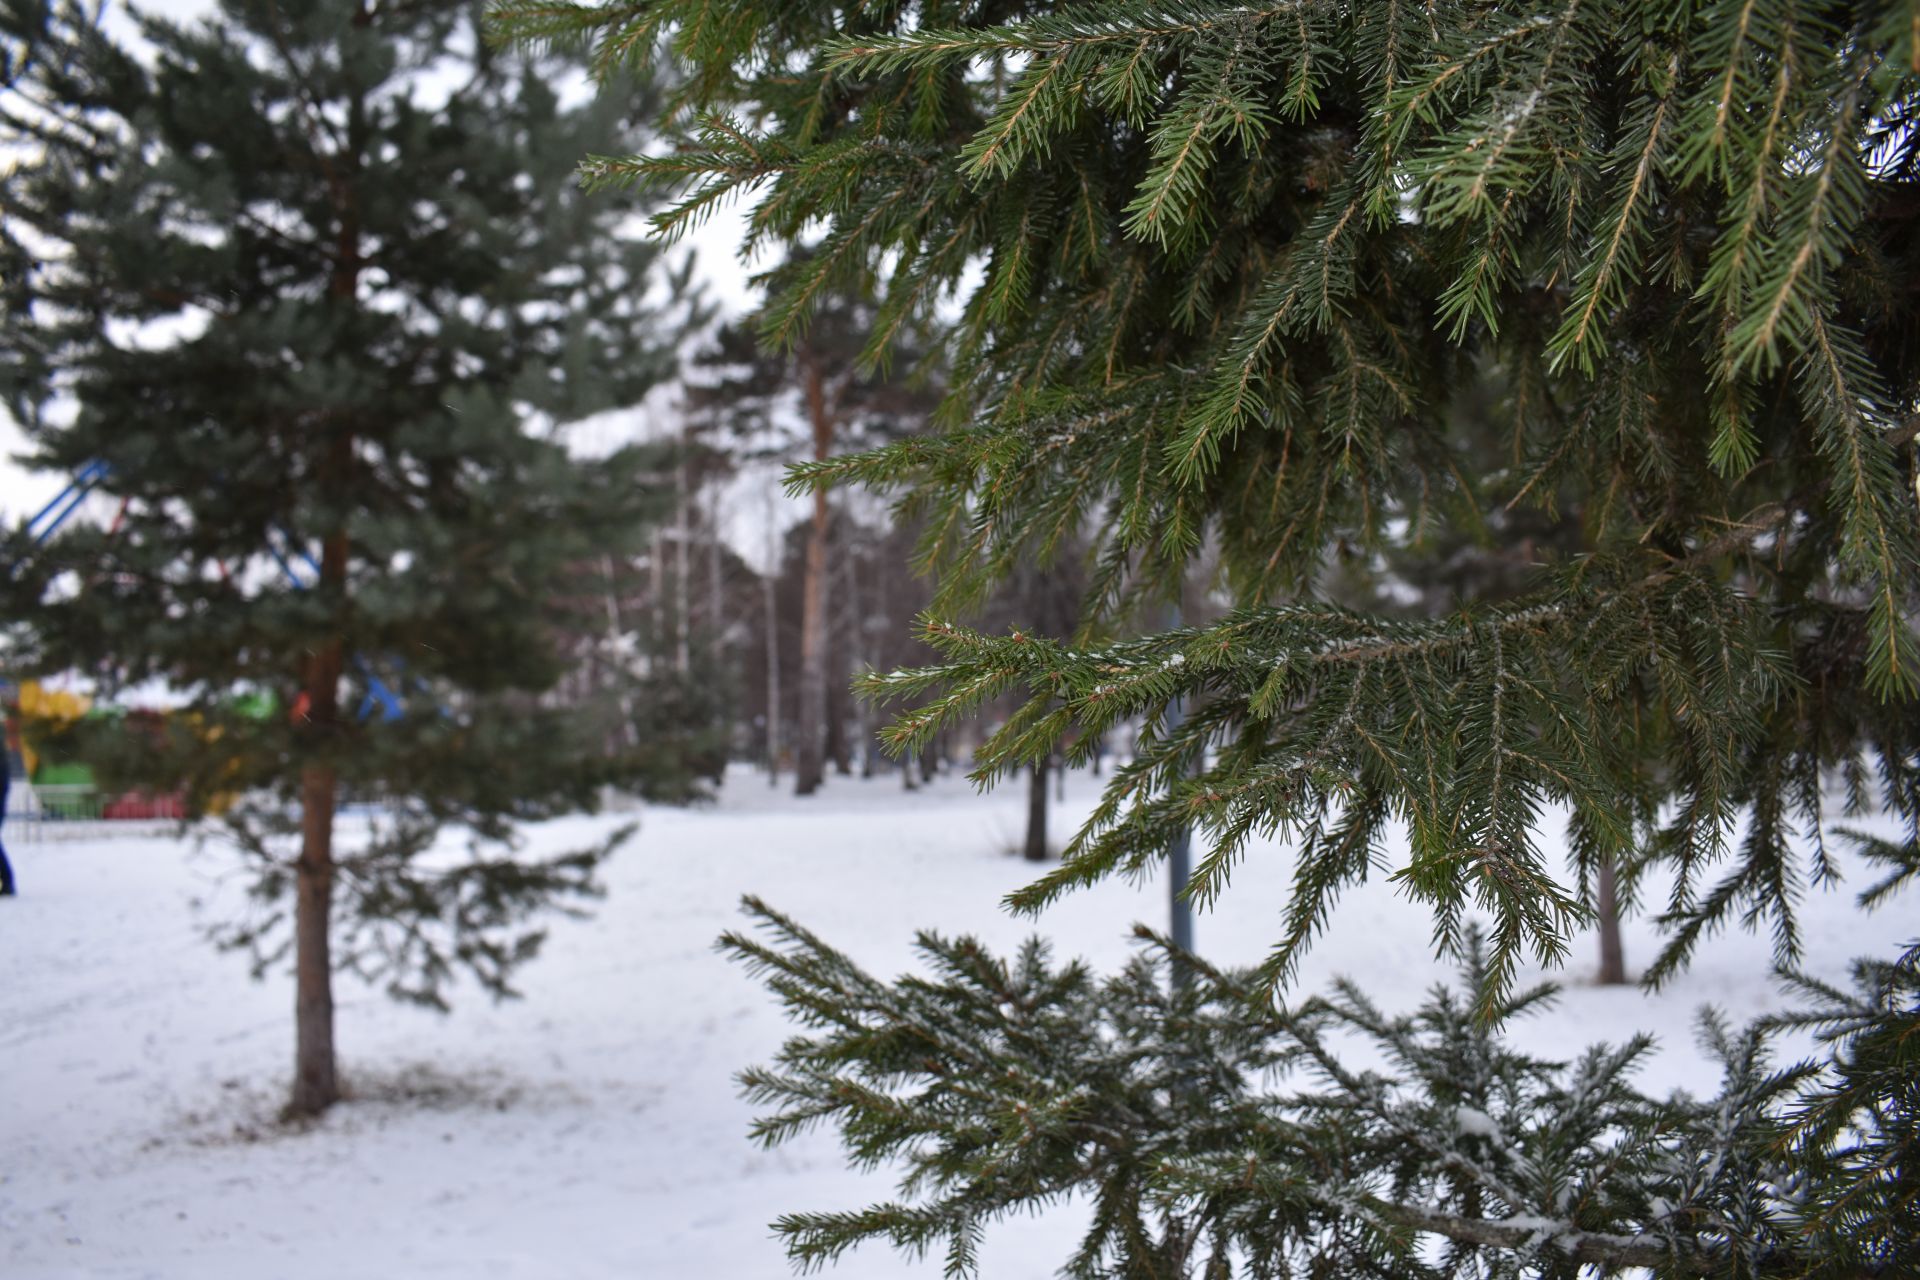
(590, 1130)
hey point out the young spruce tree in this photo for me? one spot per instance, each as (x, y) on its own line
(1278, 274)
(308, 291)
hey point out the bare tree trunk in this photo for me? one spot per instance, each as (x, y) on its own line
(809, 767)
(716, 597)
(683, 535)
(657, 593)
(838, 748)
(1613, 963)
(857, 641)
(1037, 811)
(839, 699)
(773, 678)
(628, 734)
(771, 583)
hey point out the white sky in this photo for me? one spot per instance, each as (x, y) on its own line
(746, 509)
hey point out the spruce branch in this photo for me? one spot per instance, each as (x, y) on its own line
(999, 1087)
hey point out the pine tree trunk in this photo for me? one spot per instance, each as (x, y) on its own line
(1037, 812)
(657, 594)
(773, 676)
(839, 699)
(316, 1080)
(716, 607)
(839, 749)
(1613, 964)
(857, 642)
(809, 764)
(316, 1076)
(683, 535)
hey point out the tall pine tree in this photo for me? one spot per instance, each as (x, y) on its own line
(309, 290)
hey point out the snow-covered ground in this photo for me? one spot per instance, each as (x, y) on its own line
(591, 1129)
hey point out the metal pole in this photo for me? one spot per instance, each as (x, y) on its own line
(1179, 862)
(1179, 857)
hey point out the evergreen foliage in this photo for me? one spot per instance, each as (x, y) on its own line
(1329, 286)
(1247, 268)
(1215, 1134)
(311, 292)
(410, 922)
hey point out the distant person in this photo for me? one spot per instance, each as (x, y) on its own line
(6, 868)
(6, 782)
